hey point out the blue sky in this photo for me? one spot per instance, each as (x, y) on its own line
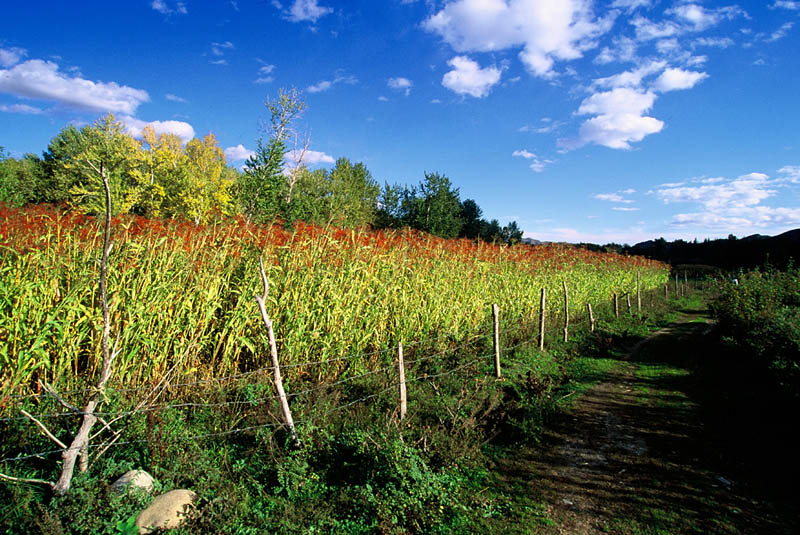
(615, 120)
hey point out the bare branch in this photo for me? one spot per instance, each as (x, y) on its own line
(26, 480)
(44, 429)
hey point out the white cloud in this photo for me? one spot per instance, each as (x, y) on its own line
(790, 173)
(175, 98)
(720, 42)
(786, 4)
(625, 209)
(536, 165)
(383, 99)
(219, 49)
(732, 204)
(264, 74)
(11, 56)
(675, 79)
(400, 84)
(306, 11)
(700, 18)
(781, 32)
(319, 87)
(623, 50)
(135, 126)
(468, 78)
(238, 153)
(647, 30)
(631, 78)
(630, 5)
(21, 108)
(164, 8)
(619, 119)
(523, 154)
(39, 79)
(324, 85)
(613, 197)
(546, 31)
(310, 157)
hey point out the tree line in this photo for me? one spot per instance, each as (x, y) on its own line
(159, 176)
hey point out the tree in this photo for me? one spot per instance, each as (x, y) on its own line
(353, 194)
(511, 233)
(437, 207)
(388, 209)
(21, 180)
(264, 191)
(209, 184)
(471, 215)
(492, 232)
(164, 176)
(122, 155)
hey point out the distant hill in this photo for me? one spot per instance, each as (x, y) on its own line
(731, 253)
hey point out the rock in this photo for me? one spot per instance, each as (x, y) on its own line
(166, 511)
(132, 480)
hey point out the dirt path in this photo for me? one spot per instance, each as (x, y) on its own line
(633, 455)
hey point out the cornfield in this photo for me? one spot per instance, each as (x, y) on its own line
(181, 295)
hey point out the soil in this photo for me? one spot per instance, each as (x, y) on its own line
(641, 453)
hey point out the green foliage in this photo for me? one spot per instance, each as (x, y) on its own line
(761, 314)
(436, 207)
(21, 180)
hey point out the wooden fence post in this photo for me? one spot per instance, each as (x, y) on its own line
(541, 321)
(639, 291)
(591, 316)
(402, 369)
(616, 306)
(566, 312)
(496, 322)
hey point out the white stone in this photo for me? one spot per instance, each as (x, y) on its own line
(132, 480)
(167, 511)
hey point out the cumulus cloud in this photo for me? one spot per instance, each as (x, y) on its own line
(305, 11)
(42, 80)
(523, 154)
(619, 119)
(699, 18)
(537, 165)
(632, 78)
(544, 30)
(790, 173)
(468, 78)
(238, 153)
(11, 56)
(134, 128)
(624, 50)
(400, 84)
(675, 79)
(310, 157)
